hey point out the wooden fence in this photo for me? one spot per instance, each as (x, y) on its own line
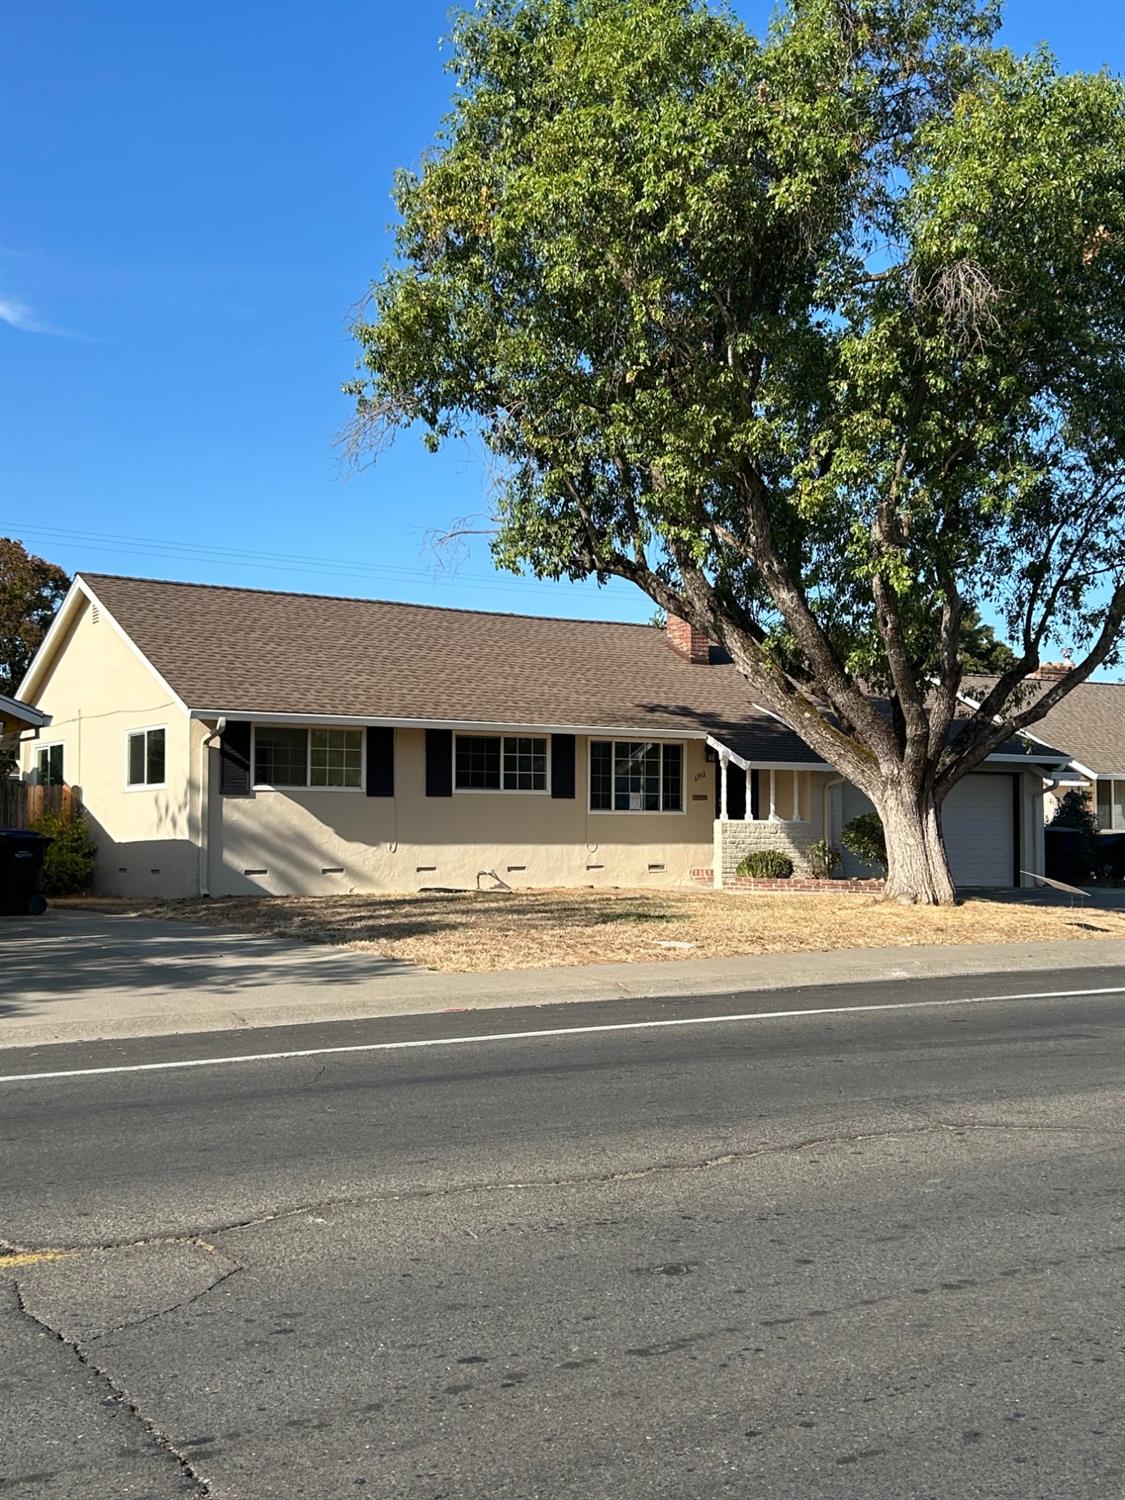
(21, 803)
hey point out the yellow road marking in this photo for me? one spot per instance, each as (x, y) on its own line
(33, 1257)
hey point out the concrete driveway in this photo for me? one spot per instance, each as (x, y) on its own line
(73, 975)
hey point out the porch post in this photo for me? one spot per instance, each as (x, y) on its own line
(748, 812)
(724, 761)
(797, 797)
(773, 796)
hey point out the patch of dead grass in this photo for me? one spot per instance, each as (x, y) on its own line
(479, 931)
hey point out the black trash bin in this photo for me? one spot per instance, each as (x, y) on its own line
(21, 872)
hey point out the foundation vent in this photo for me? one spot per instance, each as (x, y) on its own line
(255, 872)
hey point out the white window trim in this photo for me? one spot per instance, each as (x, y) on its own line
(145, 786)
(307, 786)
(639, 812)
(39, 749)
(1112, 783)
(501, 790)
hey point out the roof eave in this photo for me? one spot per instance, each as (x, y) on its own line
(399, 721)
(21, 715)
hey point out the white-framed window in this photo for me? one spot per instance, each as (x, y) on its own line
(285, 756)
(500, 763)
(1111, 806)
(636, 776)
(144, 764)
(49, 765)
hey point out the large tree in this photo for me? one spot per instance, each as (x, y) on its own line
(818, 339)
(31, 590)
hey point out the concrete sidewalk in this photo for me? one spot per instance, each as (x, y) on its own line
(82, 976)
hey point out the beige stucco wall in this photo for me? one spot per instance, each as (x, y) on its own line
(96, 689)
(411, 840)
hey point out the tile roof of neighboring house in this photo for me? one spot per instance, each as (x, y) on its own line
(1089, 723)
(249, 651)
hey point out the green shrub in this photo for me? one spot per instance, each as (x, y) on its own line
(864, 837)
(1074, 812)
(68, 864)
(766, 864)
(824, 860)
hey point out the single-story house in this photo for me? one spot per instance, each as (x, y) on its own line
(231, 740)
(1090, 724)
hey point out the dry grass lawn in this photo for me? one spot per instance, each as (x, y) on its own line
(532, 929)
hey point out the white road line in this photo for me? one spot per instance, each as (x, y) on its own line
(519, 1036)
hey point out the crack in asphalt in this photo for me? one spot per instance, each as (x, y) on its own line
(119, 1393)
(11, 1252)
(164, 1312)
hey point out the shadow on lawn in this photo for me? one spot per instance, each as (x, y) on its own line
(374, 919)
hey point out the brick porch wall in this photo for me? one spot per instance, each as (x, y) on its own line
(797, 886)
(735, 839)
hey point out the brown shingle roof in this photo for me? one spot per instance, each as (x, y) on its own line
(250, 651)
(1089, 723)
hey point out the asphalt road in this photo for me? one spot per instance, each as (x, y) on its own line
(847, 1253)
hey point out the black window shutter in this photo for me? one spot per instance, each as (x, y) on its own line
(439, 762)
(562, 765)
(380, 762)
(234, 759)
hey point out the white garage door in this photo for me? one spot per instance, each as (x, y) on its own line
(979, 830)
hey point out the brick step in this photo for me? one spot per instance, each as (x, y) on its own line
(797, 886)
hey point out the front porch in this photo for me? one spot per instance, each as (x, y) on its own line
(762, 806)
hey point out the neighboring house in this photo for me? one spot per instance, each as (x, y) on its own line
(1089, 724)
(15, 717)
(20, 726)
(235, 740)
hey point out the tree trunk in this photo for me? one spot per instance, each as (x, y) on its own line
(917, 866)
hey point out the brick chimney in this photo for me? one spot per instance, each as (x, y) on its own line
(687, 641)
(1051, 671)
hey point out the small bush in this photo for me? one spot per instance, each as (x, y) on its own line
(766, 864)
(68, 864)
(824, 860)
(864, 837)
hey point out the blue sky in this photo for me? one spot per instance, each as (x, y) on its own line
(194, 195)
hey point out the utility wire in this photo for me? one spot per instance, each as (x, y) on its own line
(135, 546)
